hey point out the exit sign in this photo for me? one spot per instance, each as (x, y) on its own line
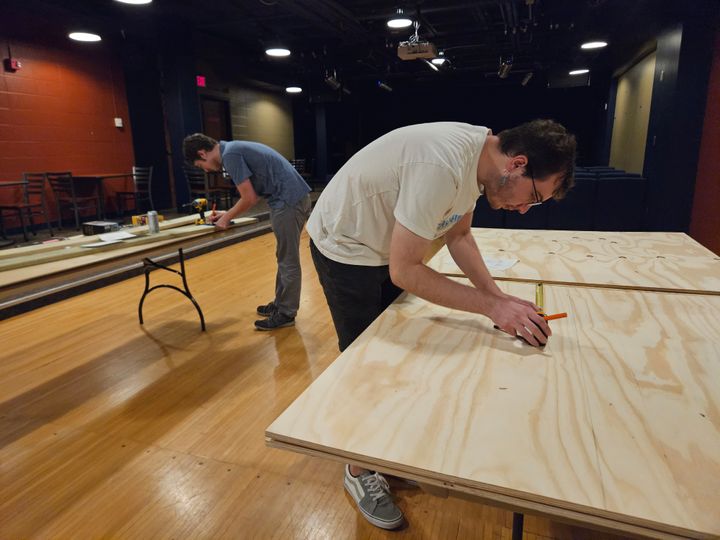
(200, 80)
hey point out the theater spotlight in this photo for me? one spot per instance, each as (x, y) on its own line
(505, 67)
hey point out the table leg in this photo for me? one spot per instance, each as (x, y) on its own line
(101, 196)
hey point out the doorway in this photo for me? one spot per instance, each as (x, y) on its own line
(216, 118)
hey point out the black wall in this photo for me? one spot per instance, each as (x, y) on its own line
(365, 115)
(684, 55)
(160, 71)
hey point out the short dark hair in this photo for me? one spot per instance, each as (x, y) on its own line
(194, 143)
(549, 147)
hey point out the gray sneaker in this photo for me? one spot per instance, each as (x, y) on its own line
(372, 495)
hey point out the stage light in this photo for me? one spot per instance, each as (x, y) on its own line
(399, 20)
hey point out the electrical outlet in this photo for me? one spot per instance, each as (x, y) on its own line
(12, 64)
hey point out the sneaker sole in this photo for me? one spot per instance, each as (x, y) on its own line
(285, 325)
(387, 525)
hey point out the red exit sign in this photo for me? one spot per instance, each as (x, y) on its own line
(200, 80)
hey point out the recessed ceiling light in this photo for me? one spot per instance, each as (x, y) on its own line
(399, 20)
(293, 89)
(579, 71)
(138, 2)
(84, 36)
(277, 52)
(593, 45)
(438, 61)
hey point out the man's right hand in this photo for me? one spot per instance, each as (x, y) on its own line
(519, 318)
(220, 220)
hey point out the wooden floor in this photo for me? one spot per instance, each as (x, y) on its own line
(115, 430)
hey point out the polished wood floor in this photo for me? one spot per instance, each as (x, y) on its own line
(115, 430)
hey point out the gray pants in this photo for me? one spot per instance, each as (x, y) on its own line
(287, 224)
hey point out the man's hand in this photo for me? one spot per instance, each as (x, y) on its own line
(221, 220)
(519, 317)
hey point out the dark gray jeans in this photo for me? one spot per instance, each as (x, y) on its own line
(287, 224)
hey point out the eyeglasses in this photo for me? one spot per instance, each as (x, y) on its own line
(538, 201)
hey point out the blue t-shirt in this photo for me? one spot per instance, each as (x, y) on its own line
(271, 175)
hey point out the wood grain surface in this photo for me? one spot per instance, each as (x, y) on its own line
(617, 418)
(651, 261)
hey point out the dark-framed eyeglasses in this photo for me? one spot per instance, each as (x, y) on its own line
(538, 201)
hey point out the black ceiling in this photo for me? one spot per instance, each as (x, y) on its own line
(351, 38)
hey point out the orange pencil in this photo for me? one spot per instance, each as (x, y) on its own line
(213, 209)
(556, 316)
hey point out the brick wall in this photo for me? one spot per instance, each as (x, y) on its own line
(57, 114)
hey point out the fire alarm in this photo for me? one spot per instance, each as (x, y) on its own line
(12, 64)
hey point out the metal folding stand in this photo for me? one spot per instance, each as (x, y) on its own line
(149, 266)
(517, 526)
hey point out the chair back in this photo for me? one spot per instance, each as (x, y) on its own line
(303, 167)
(61, 183)
(142, 182)
(299, 165)
(34, 187)
(197, 182)
(142, 178)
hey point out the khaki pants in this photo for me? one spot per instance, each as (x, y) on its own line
(287, 224)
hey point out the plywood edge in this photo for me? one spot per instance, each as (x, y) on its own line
(593, 285)
(494, 495)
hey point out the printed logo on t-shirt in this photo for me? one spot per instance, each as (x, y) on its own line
(447, 222)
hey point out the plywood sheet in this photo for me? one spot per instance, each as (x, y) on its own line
(652, 261)
(617, 418)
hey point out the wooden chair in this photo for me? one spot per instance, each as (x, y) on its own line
(33, 203)
(66, 197)
(142, 193)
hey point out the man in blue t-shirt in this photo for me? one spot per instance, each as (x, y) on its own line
(259, 171)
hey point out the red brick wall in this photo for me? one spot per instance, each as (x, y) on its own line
(56, 114)
(705, 218)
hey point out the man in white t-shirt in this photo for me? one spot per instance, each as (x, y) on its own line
(374, 222)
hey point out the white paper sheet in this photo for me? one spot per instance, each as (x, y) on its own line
(115, 236)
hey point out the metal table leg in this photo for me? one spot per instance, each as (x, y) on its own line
(149, 266)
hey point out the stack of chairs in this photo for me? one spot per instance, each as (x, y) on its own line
(604, 199)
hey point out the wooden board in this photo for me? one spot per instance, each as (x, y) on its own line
(19, 265)
(38, 251)
(617, 419)
(651, 261)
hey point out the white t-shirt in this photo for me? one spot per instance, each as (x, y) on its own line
(424, 176)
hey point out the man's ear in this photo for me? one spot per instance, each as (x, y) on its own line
(518, 161)
(201, 155)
